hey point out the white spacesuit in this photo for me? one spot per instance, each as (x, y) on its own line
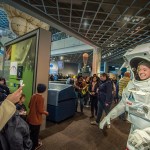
(135, 100)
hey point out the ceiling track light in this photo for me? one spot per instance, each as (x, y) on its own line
(133, 19)
(138, 28)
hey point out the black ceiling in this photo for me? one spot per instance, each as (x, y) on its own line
(113, 25)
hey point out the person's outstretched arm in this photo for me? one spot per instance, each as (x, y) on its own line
(7, 108)
(115, 112)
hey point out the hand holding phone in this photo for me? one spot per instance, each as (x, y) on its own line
(21, 83)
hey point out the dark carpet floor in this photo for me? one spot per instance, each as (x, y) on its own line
(76, 133)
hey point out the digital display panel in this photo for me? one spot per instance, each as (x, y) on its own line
(19, 65)
(60, 65)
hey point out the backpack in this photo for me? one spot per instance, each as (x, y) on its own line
(15, 135)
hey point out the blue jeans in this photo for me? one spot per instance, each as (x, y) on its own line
(79, 98)
(101, 108)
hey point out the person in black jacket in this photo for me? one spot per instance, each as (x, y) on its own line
(80, 86)
(104, 97)
(93, 95)
(4, 90)
(20, 106)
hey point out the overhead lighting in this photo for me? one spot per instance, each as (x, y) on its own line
(112, 45)
(67, 60)
(85, 23)
(136, 30)
(103, 56)
(137, 19)
(127, 18)
(133, 19)
(61, 57)
(109, 54)
(106, 55)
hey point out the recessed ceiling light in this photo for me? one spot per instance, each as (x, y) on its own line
(61, 57)
(127, 18)
(133, 19)
(112, 45)
(138, 28)
(109, 54)
(67, 60)
(85, 23)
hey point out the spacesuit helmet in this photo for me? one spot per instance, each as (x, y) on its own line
(137, 56)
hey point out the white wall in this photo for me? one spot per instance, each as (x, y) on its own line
(65, 43)
(69, 68)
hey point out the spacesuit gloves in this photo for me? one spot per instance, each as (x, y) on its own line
(138, 138)
(105, 121)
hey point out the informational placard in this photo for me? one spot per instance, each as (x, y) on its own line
(13, 68)
(20, 64)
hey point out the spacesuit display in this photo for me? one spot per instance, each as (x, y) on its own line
(135, 100)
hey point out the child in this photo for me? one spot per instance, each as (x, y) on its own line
(34, 118)
(21, 107)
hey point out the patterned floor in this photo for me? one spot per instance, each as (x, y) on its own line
(76, 133)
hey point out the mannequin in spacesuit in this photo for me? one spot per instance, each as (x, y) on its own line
(136, 99)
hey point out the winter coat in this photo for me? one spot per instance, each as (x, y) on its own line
(105, 91)
(7, 109)
(95, 88)
(15, 135)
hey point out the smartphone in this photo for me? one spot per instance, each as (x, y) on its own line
(21, 83)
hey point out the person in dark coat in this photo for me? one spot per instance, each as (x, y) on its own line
(4, 90)
(4, 86)
(93, 95)
(104, 97)
(80, 86)
(20, 106)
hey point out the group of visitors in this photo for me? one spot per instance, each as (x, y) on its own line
(26, 135)
(100, 92)
(133, 97)
(19, 133)
(19, 130)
